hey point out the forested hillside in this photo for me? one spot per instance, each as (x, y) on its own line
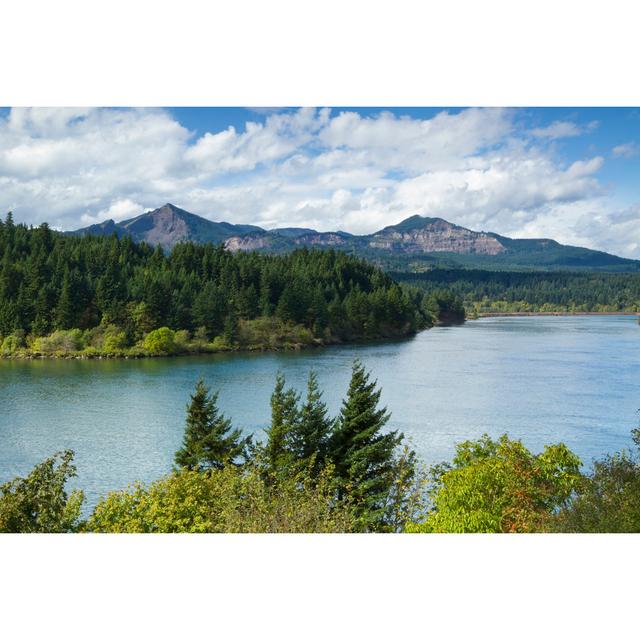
(111, 294)
(509, 291)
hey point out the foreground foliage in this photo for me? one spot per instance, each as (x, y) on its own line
(228, 500)
(500, 486)
(39, 503)
(608, 500)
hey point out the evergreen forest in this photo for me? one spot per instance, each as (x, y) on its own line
(62, 295)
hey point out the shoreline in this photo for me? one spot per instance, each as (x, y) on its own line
(289, 347)
(507, 314)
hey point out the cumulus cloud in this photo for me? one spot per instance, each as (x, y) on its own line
(308, 167)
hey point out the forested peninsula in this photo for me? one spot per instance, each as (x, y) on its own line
(64, 296)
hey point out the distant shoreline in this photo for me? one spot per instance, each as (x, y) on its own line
(555, 313)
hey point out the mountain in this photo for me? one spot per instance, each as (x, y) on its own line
(415, 244)
(169, 225)
(433, 235)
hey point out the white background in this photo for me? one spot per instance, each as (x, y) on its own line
(489, 53)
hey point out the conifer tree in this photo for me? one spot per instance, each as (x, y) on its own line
(362, 454)
(209, 441)
(285, 418)
(65, 315)
(231, 327)
(311, 434)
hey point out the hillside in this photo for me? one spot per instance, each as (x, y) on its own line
(415, 244)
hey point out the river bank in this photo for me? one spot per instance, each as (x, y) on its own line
(508, 314)
(216, 347)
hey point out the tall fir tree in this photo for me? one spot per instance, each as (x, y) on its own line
(209, 441)
(231, 327)
(65, 312)
(285, 418)
(310, 435)
(362, 454)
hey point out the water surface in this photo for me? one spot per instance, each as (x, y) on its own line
(541, 379)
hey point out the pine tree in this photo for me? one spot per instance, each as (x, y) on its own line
(310, 435)
(231, 327)
(209, 442)
(364, 456)
(65, 312)
(285, 417)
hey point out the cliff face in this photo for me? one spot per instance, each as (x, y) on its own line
(435, 235)
(250, 242)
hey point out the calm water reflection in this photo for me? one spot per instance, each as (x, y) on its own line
(541, 379)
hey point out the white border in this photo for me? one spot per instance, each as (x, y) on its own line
(335, 52)
(403, 53)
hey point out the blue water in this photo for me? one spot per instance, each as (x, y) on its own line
(541, 379)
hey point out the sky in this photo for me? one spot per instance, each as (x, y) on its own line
(566, 173)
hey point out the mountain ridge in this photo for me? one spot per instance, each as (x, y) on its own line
(416, 243)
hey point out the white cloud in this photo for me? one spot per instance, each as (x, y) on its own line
(627, 150)
(308, 167)
(260, 143)
(118, 210)
(557, 129)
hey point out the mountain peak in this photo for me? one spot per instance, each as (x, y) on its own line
(417, 221)
(422, 234)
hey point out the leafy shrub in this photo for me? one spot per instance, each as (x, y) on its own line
(39, 502)
(181, 340)
(11, 344)
(106, 338)
(230, 500)
(160, 341)
(608, 500)
(114, 341)
(61, 341)
(500, 486)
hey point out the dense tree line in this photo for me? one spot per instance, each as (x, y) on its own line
(533, 290)
(51, 283)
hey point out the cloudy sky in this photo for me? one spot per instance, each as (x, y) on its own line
(566, 173)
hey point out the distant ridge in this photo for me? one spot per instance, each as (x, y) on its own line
(415, 243)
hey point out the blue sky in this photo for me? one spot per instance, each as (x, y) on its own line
(567, 173)
(615, 126)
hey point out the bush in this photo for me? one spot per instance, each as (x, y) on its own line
(181, 340)
(11, 344)
(230, 500)
(160, 341)
(114, 342)
(106, 338)
(39, 502)
(61, 341)
(500, 486)
(608, 501)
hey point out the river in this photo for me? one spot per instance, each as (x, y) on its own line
(541, 379)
